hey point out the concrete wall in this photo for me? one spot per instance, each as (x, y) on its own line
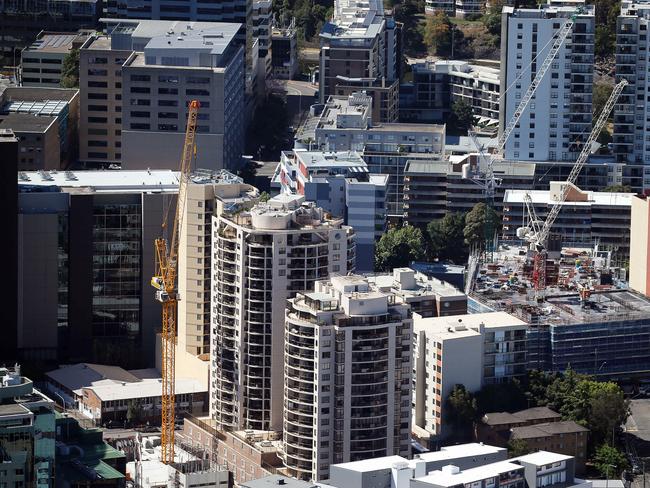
(639, 248)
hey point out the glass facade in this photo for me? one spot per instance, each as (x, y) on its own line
(117, 251)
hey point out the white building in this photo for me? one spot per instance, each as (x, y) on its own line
(261, 258)
(339, 183)
(345, 124)
(631, 125)
(347, 376)
(472, 350)
(586, 218)
(175, 67)
(262, 19)
(559, 116)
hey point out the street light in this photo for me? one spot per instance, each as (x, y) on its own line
(59, 395)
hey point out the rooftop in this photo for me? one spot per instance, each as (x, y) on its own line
(529, 414)
(408, 283)
(276, 480)
(461, 323)
(54, 42)
(214, 39)
(351, 160)
(449, 477)
(547, 429)
(123, 181)
(355, 19)
(37, 94)
(591, 198)
(26, 122)
(541, 458)
(460, 451)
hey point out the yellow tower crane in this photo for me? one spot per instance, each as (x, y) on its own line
(167, 289)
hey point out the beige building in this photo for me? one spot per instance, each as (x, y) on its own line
(262, 257)
(347, 366)
(100, 86)
(204, 200)
(42, 61)
(472, 350)
(640, 245)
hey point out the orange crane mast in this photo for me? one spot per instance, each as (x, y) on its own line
(165, 283)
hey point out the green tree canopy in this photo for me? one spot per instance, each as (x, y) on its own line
(480, 218)
(70, 70)
(446, 240)
(437, 34)
(609, 461)
(617, 189)
(461, 412)
(461, 117)
(398, 247)
(518, 447)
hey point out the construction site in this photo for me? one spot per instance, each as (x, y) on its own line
(584, 317)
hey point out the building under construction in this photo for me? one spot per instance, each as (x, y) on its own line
(585, 319)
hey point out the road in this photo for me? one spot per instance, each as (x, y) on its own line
(300, 96)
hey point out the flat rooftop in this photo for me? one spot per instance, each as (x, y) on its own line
(446, 478)
(53, 42)
(468, 321)
(26, 122)
(37, 94)
(540, 458)
(120, 180)
(543, 197)
(214, 39)
(334, 159)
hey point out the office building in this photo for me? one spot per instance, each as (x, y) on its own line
(339, 183)
(631, 145)
(347, 376)
(469, 8)
(284, 54)
(86, 258)
(27, 432)
(41, 61)
(558, 119)
(639, 245)
(21, 23)
(85, 459)
(586, 218)
(9, 245)
(345, 124)
(446, 6)
(262, 257)
(45, 122)
(203, 64)
(435, 188)
(107, 393)
(472, 350)
(361, 49)
(101, 73)
(437, 85)
(100, 91)
(262, 20)
(274, 480)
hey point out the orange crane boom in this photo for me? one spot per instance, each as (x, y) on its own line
(167, 290)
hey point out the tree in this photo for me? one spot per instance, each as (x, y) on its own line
(407, 12)
(398, 248)
(437, 34)
(264, 197)
(70, 70)
(608, 409)
(446, 240)
(501, 397)
(476, 222)
(609, 461)
(492, 18)
(518, 447)
(461, 412)
(268, 133)
(461, 117)
(605, 41)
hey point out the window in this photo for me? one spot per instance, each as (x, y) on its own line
(197, 92)
(140, 89)
(136, 126)
(168, 103)
(98, 96)
(97, 84)
(168, 127)
(167, 115)
(167, 79)
(140, 114)
(146, 78)
(197, 80)
(97, 120)
(97, 72)
(167, 91)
